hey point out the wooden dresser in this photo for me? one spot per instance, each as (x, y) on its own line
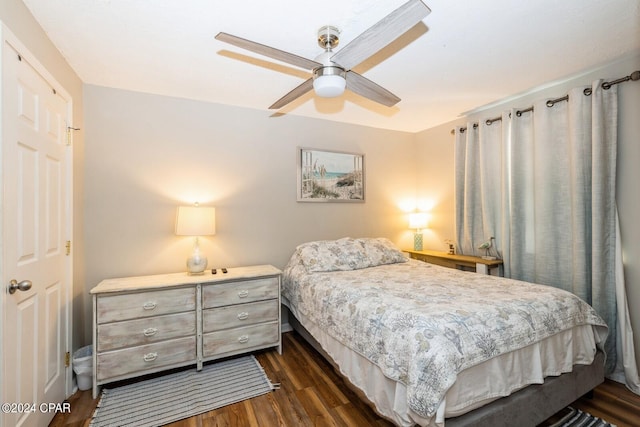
(148, 324)
(461, 262)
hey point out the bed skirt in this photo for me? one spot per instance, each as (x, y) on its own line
(526, 407)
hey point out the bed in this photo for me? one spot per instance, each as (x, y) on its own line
(429, 345)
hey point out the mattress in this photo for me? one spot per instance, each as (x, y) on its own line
(377, 323)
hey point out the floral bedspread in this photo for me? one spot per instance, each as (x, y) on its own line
(423, 324)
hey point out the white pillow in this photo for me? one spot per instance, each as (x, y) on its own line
(380, 251)
(333, 255)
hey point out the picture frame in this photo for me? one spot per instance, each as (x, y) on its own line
(330, 176)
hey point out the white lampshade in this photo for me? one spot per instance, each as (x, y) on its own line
(418, 220)
(329, 86)
(195, 221)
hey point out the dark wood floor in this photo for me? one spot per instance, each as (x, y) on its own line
(313, 394)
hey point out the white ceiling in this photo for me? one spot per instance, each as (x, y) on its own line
(465, 54)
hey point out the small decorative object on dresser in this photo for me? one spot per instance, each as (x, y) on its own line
(148, 324)
(460, 262)
(487, 246)
(452, 247)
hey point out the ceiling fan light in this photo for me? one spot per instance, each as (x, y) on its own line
(329, 81)
(329, 86)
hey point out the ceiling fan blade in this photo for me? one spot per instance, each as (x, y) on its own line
(271, 52)
(381, 34)
(305, 87)
(365, 87)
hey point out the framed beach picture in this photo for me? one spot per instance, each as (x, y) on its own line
(330, 176)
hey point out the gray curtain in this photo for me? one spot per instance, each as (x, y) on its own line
(564, 165)
(556, 220)
(478, 175)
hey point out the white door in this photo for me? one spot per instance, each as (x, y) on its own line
(35, 228)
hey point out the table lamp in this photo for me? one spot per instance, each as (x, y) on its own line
(196, 221)
(417, 221)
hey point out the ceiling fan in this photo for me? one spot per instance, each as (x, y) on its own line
(332, 72)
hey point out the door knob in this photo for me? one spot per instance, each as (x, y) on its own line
(14, 286)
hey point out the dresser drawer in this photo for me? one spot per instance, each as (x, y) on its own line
(129, 333)
(240, 292)
(233, 316)
(117, 363)
(239, 339)
(118, 307)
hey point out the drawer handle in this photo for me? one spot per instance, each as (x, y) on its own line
(149, 305)
(150, 357)
(149, 332)
(243, 294)
(243, 316)
(243, 339)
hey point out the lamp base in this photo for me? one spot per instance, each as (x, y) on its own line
(417, 242)
(196, 264)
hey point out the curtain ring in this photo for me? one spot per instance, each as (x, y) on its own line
(519, 113)
(550, 103)
(489, 122)
(606, 85)
(588, 91)
(462, 130)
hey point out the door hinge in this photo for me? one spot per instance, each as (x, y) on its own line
(69, 129)
(67, 359)
(68, 247)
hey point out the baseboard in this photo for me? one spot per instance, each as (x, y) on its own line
(285, 327)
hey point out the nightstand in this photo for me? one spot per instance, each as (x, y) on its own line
(460, 262)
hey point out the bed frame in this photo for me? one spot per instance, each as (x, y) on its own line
(527, 407)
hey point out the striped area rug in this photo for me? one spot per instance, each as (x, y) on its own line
(577, 418)
(180, 395)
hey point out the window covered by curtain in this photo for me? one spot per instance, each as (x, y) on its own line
(478, 171)
(543, 183)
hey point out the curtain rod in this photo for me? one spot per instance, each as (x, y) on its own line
(550, 103)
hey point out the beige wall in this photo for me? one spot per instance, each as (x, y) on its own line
(435, 175)
(435, 170)
(17, 18)
(147, 154)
